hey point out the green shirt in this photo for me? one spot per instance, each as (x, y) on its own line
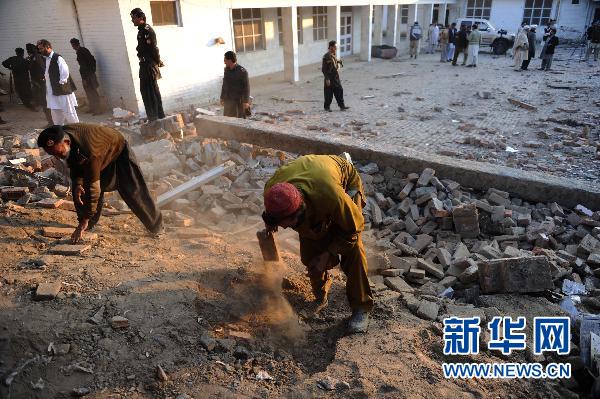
(474, 37)
(333, 194)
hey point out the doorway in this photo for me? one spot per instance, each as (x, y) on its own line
(345, 46)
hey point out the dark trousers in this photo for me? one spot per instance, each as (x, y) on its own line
(457, 51)
(90, 85)
(150, 91)
(525, 64)
(234, 109)
(333, 90)
(125, 176)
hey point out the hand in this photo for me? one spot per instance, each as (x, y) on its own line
(78, 233)
(79, 192)
(246, 105)
(222, 102)
(327, 82)
(319, 264)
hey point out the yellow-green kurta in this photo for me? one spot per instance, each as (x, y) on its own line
(333, 221)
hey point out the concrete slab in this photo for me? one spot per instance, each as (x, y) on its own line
(528, 185)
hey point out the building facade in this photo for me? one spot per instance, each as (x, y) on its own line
(268, 35)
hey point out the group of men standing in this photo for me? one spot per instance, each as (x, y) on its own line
(42, 79)
(524, 46)
(452, 42)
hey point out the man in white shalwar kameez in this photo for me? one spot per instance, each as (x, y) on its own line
(433, 37)
(60, 96)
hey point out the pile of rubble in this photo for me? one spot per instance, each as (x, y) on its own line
(27, 176)
(449, 244)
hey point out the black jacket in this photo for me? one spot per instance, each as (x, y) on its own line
(551, 43)
(593, 33)
(452, 35)
(235, 85)
(87, 62)
(461, 39)
(147, 49)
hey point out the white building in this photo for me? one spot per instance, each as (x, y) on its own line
(572, 16)
(268, 35)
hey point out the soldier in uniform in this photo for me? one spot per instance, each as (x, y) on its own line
(87, 69)
(235, 92)
(150, 63)
(333, 86)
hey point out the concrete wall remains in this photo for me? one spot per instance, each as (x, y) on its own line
(528, 185)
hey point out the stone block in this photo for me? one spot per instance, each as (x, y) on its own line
(13, 193)
(470, 275)
(425, 177)
(515, 275)
(402, 262)
(50, 203)
(57, 232)
(47, 291)
(392, 272)
(459, 266)
(411, 226)
(422, 241)
(431, 268)
(416, 273)
(119, 322)
(443, 256)
(466, 221)
(497, 199)
(428, 310)
(587, 245)
(448, 281)
(428, 227)
(69, 250)
(397, 284)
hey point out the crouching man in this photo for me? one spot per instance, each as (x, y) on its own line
(321, 197)
(100, 160)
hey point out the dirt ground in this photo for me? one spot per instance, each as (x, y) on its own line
(174, 291)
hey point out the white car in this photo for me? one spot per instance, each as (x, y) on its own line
(498, 40)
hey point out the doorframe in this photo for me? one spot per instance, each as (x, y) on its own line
(343, 15)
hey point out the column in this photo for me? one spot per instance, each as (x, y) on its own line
(413, 14)
(392, 25)
(366, 32)
(428, 14)
(377, 25)
(289, 20)
(442, 14)
(333, 23)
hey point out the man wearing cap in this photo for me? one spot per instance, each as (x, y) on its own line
(100, 160)
(87, 69)
(149, 57)
(321, 197)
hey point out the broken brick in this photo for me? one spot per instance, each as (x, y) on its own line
(466, 221)
(47, 291)
(515, 275)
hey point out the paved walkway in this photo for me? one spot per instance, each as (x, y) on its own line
(435, 107)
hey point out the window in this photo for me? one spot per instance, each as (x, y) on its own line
(537, 12)
(479, 9)
(483, 26)
(574, 1)
(165, 12)
(247, 29)
(280, 27)
(320, 23)
(404, 14)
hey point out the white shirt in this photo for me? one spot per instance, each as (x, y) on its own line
(65, 103)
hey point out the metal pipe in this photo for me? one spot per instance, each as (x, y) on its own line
(78, 23)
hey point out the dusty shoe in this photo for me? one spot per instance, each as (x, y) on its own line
(359, 322)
